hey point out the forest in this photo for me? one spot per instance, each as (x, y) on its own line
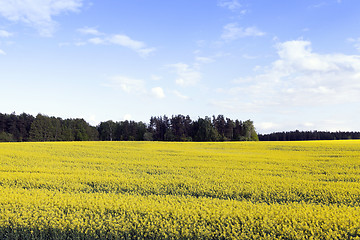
(308, 135)
(26, 128)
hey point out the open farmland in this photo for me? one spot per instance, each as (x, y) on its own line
(163, 190)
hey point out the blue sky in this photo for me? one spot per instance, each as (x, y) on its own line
(285, 65)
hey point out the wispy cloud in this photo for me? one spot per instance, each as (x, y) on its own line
(158, 92)
(2, 52)
(80, 43)
(180, 95)
(135, 87)
(229, 4)
(356, 42)
(318, 5)
(250, 57)
(5, 34)
(97, 41)
(186, 76)
(118, 39)
(89, 31)
(204, 59)
(299, 78)
(38, 13)
(128, 85)
(126, 41)
(324, 4)
(266, 126)
(232, 31)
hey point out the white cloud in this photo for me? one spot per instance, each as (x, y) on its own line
(250, 57)
(309, 124)
(321, 125)
(2, 52)
(230, 4)
(266, 126)
(144, 52)
(204, 60)
(89, 31)
(126, 41)
(299, 78)
(180, 95)
(319, 5)
(298, 56)
(121, 40)
(199, 61)
(134, 86)
(96, 41)
(38, 13)
(127, 84)
(5, 34)
(300, 84)
(80, 43)
(356, 42)
(186, 76)
(158, 92)
(232, 32)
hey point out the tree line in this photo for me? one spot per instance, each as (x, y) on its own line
(179, 128)
(25, 127)
(308, 135)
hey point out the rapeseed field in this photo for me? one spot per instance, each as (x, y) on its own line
(163, 190)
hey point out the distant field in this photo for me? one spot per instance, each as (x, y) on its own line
(163, 190)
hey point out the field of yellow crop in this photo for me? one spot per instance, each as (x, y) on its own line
(162, 190)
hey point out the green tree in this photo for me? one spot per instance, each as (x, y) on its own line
(250, 133)
(148, 136)
(40, 129)
(205, 131)
(6, 137)
(107, 130)
(229, 129)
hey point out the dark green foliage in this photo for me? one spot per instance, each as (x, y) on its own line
(46, 128)
(177, 128)
(205, 131)
(14, 127)
(6, 137)
(249, 131)
(122, 131)
(106, 130)
(148, 136)
(308, 135)
(181, 128)
(158, 127)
